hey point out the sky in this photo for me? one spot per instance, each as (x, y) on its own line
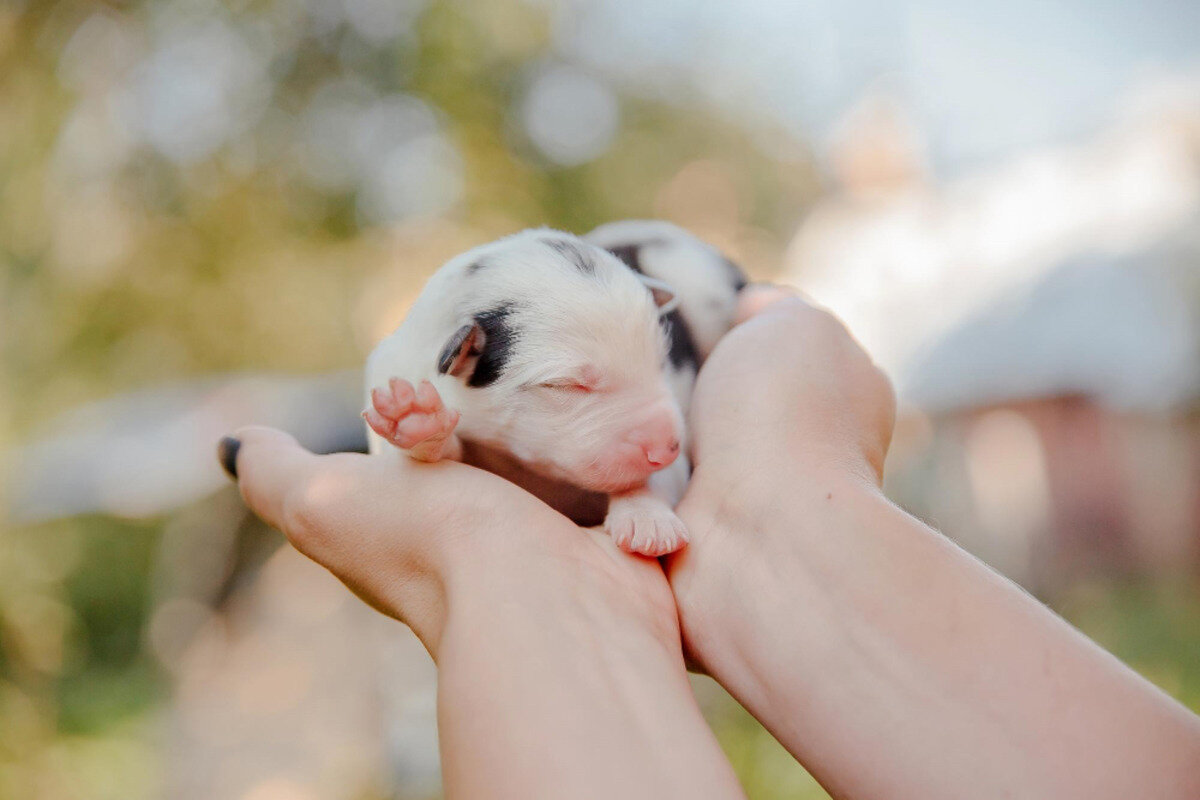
(981, 80)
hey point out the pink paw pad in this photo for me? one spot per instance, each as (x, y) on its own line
(411, 418)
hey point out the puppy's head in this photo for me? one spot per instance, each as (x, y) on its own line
(557, 356)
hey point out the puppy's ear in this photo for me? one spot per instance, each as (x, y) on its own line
(461, 351)
(664, 295)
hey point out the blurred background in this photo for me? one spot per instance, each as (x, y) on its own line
(210, 210)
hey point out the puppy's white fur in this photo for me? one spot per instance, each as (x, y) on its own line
(572, 313)
(563, 321)
(704, 281)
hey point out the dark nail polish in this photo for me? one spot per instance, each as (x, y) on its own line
(227, 451)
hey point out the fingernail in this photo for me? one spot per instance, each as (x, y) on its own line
(227, 451)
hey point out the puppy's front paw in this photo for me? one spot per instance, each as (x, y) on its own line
(415, 420)
(642, 523)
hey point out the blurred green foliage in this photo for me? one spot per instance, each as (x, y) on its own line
(123, 267)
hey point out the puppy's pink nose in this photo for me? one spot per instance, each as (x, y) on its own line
(660, 454)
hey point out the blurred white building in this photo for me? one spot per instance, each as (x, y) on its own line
(1041, 321)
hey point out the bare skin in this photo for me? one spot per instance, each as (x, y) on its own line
(560, 668)
(418, 421)
(887, 660)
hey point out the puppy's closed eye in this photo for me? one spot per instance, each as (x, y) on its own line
(568, 385)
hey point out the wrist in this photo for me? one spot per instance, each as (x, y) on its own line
(568, 587)
(569, 660)
(749, 539)
(472, 563)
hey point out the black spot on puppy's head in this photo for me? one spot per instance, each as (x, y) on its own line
(478, 351)
(499, 337)
(573, 253)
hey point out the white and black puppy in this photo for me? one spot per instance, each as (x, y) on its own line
(565, 365)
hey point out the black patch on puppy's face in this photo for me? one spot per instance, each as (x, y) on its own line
(573, 253)
(499, 338)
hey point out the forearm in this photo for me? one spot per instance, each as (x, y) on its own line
(561, 688)
(896, 665)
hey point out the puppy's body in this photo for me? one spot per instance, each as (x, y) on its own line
(705, 282)
(553, 363)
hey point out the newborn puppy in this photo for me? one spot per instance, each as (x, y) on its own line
(551, 361)
(705, 283)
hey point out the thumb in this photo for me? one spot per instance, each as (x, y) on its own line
(271, 469)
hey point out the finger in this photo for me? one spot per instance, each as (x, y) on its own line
(757, 297)
(268, 465)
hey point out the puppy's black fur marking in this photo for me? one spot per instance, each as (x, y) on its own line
(475, 267)
(499, 337)
(630, 254)
(683, 347)
(573, 254)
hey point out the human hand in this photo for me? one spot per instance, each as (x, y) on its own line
(788, 390)
(558, 655)
(787, 407)
(846, 626)
(414, 540)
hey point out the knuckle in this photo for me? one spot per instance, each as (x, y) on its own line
(309, 510)
(300, 518)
